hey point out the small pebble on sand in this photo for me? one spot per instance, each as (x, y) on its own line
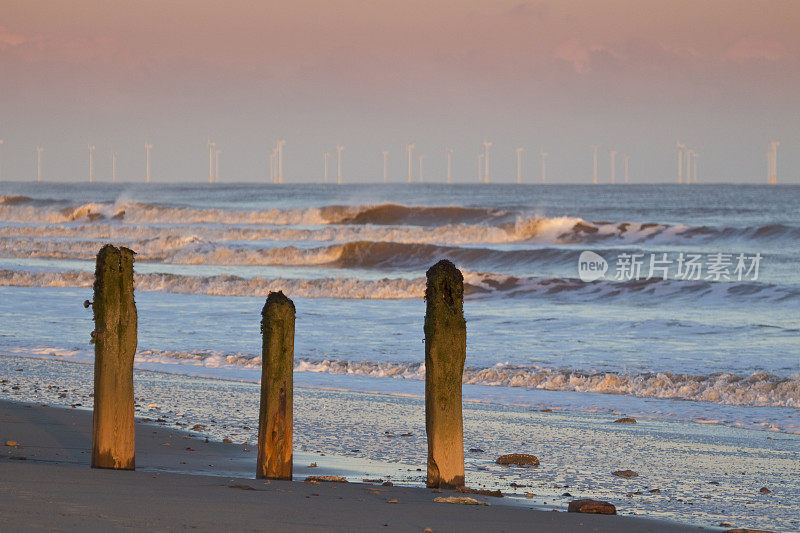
(464, 500)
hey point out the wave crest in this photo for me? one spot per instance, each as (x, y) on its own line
(228, 285)
(14, 200)
(395, 222)
(396, 214)
(476, 285)
(757, 389)
(760, 389)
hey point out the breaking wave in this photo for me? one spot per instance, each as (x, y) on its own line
(395, 214)
(189, 249)
(757, 389)
(476, 286)
(14, 200)
(542, 230)
(228, 285)
(398, 223)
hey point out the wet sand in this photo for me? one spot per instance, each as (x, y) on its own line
(182, 482)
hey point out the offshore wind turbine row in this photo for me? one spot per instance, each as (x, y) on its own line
(687, 163)
(484, 169)
(688, 156)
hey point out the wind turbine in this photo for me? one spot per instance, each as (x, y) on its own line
(210, 145)
(272, 156)
(280, 160)
(772, 162)
(39, 150)
(113, 167)
(775, 145)
(147, 147)
(409, 150)
(325, 156)
(626, 160)
(594, 172)
(91, 162)
(544, 167)
(449, 152)
(694, 171)
(613, 154)
(480, 167)
(339, 149)
(486, 146)
(680, 147)
(1, 161)
(519, 165)
(384, 153)
(689, 154)
(216, 165)
(420, 167)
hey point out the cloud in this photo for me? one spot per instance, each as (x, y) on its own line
(524, 9)
(681, 50)
(8, 38)
(579, 54)
(573, 51)
(753, 47)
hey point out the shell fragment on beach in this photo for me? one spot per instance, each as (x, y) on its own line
(482, 492)
(464, 500)
(327, 479)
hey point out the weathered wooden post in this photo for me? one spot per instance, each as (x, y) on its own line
(113, 438)
(445, 353)
(277, 363)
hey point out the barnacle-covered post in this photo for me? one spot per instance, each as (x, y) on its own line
(113, 439)
(445, 353)
(277, 363)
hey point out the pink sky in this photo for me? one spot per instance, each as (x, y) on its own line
(635, 75)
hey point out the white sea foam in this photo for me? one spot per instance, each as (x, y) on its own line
(761, 389)
(477, 285)
(389, 222)
(227, 285)
(541, 230)
(758, 389)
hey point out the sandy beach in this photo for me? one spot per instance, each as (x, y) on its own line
(180, 484)
(700, 475)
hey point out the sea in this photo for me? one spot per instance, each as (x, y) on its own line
(671, 303)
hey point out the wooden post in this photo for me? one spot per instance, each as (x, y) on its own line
(113, 439)
(277, 363)
(445, 353)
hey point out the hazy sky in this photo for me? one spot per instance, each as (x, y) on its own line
(723, 76)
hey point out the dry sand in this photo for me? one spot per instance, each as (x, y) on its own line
(180, 483)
